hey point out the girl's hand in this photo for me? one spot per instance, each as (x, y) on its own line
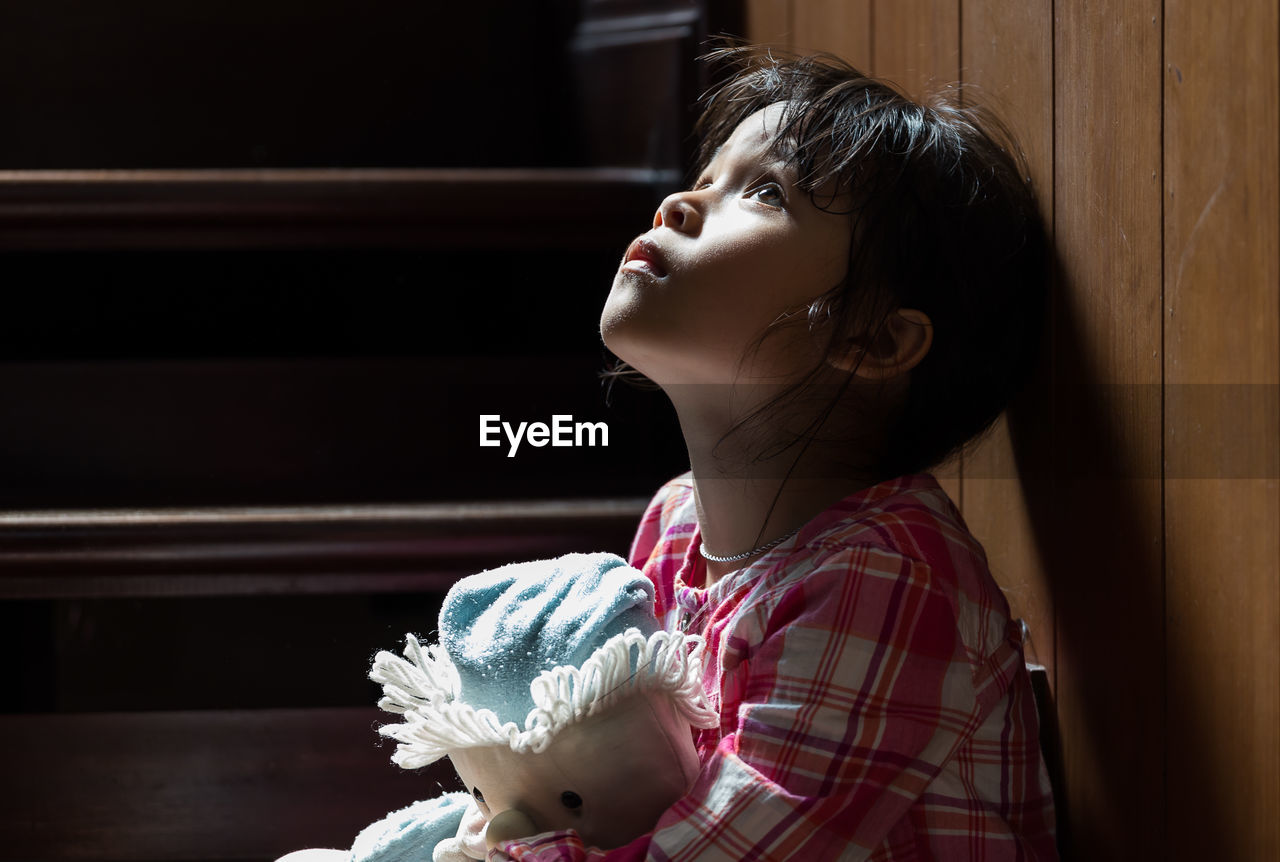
(508, 825)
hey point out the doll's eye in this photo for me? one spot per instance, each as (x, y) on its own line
(570, 799)
(479, 797)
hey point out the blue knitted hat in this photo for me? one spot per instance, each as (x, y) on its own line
(530, 648)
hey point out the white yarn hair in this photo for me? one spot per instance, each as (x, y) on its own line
(426, 689)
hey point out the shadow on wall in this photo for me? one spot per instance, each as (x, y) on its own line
(1094, 489)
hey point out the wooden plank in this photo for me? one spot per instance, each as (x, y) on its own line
(1102, 526)
(293, 550)
(197, 785)
(916, 43)
(1222, 367)
(768, 22)
(307, 208)
(1007, 66)
(840, 27)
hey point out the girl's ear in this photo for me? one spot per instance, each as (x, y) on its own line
(903, 341)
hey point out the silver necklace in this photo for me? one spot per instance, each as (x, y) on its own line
(733, 558)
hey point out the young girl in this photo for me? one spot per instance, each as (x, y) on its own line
(847, 295)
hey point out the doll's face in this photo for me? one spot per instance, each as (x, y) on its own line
(608, 777)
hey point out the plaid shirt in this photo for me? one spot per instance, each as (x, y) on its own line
(873, 698)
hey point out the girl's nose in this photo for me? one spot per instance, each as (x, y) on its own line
(678, 213)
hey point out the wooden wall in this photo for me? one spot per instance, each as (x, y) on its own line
(1130, 506)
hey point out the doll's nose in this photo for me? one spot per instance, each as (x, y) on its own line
(509, 825)
(678, 213)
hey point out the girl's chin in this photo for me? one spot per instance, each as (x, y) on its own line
(627, 348)
(621, 329)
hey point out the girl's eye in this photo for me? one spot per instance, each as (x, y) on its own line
(769, 193)
(571, 800)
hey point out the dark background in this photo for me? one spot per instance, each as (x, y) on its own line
(263, 266)
(323, 340)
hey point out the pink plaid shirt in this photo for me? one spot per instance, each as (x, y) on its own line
(873, 698)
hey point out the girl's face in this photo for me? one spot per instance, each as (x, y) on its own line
(723, 261)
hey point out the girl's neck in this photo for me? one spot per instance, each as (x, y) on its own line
(744, 502)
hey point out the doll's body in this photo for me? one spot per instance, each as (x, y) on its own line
(559, 701)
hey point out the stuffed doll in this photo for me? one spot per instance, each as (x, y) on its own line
(559, 701)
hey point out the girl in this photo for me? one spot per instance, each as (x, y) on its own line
(847, 295)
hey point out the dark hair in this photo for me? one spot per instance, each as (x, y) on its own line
(943, 220)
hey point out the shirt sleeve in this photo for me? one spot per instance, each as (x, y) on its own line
(855, 685)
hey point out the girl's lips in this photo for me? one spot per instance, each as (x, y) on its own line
(643, 256)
